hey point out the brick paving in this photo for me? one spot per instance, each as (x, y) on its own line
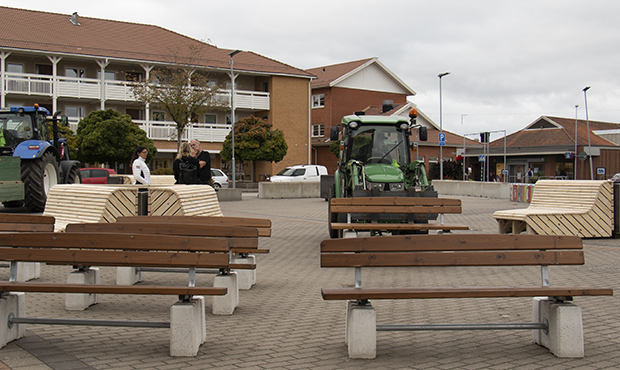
(282, 322)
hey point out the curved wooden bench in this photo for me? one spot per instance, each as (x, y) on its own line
(90, 203)
(552, 328)
(563, 207)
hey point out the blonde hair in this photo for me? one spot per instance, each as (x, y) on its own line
(184, 151)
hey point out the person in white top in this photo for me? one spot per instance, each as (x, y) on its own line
(141, 172)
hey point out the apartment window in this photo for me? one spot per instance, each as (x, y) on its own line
(108, 75)
(133, 76)
(318, 130)
(14, 68)
(159, 116)
(74, 112)
(265, 86)
(211, 84)
(43, 69)
(135, 114)
(318, 101)
(74, 72)
(228, 119)
(210, 118)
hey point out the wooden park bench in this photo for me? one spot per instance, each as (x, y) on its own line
(12, 223)
(384, 214)
(563, 207)
(187, 326)
(240, 239)
(556, 323)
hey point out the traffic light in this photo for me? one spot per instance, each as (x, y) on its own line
(484, 137)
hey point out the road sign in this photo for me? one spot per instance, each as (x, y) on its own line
(582, 156)
(442, 138)
(600, 170)
(481, 158)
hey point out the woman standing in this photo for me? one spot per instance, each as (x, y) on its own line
(141, 173)
(185, 166)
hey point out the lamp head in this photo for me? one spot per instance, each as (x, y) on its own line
(443, 74)
(586, 88)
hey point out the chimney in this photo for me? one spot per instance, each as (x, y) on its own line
(75, 19)
(388, 105)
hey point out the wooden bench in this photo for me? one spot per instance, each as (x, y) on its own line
(241, 240)
(187, 326)
(11, 223)
(557, 323)
(563, 207)
(263, 225)
(379, 214)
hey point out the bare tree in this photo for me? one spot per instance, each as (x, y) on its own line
(182, 89)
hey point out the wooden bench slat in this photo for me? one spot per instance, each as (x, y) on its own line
(467, 292)
(108, 289)
(25, 219)
(168, 229)
(211, 220)
(478, 258)
(115, 258)
(114, 241)
(368, 209)
(396, 201)
(455, 242)
(395, 226)
(10, 227)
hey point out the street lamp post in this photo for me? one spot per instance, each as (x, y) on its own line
(441, 125)
(585, 97)
(232, 112)
(575, 169)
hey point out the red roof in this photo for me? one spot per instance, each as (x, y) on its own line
(55, 33)
(547, 131)
(328, 74)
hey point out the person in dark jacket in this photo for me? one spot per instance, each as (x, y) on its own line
(185, 166)
(204, 158)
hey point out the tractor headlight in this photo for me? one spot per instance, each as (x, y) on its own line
(375, 185)
(396, 186)
(353, 125)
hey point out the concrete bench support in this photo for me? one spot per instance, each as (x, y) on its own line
(128, 276)
(81, 301)
(246, 278)
(361, 331)
(28, 271)
(187, 328)
(565, 335)
(225, 305)
(15, 304)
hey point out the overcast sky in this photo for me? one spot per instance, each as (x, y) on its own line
(510, 61)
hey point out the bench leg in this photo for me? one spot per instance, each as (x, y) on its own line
(246, 278)
(361, 331)
(128, 276)
(28, 271)
(186, 328)
(81, 301)
(225, 304)
(565, 335)
(11, 303)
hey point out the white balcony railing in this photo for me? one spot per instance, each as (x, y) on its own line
(158, 130)
(90, 88)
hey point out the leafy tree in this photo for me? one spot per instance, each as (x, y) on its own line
(255, 141)
(334, 147)
(452, 170)
(107, 136)
(183, 91)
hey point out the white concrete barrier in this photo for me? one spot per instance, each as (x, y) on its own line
(278, 190)
(498, 190)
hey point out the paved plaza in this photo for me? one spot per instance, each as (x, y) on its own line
(283, 323)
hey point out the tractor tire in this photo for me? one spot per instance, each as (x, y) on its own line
(335, 217)
(75, 176)
(13, 204)
(38, 176)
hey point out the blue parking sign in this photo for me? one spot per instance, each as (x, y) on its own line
(442, 138)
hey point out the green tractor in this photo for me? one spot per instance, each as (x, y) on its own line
(375, 161)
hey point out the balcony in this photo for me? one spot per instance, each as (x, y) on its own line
(89, 88)
(160, 130)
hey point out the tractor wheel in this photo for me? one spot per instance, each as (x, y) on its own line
(334, 217)
(75, 176)
(38, 176)
(13, 204)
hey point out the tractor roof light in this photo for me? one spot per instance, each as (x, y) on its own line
(353, 125)
(403, 126)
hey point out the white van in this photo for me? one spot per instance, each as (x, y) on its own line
(300, 172)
